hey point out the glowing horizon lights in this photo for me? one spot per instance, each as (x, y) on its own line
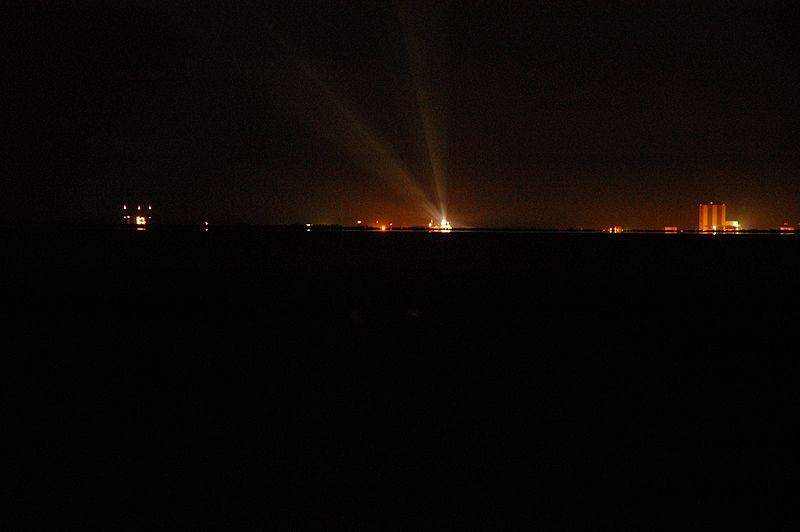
(443, 227)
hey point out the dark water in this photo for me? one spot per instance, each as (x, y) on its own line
(181, 378)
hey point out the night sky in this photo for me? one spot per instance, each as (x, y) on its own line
(553, 114)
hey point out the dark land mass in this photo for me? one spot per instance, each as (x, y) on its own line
(176, 378)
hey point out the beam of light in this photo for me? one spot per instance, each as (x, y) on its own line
(393, 170)
(421, 61)
(386, 164)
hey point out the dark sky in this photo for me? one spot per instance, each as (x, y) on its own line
(557, 114)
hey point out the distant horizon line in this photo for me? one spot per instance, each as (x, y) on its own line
(300, 226)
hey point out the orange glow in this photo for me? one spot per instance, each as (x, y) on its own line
(443, 227)
(383, 228)
(141, 220)
(712, 217)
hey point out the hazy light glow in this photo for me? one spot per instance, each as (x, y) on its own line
(442, 227)
(388, 166)
(352, 133)
(421, 61)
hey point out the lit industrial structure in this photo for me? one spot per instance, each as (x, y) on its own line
(139, 218)
(615, 229)
(442, 227)
(731, 225)
(712, 218)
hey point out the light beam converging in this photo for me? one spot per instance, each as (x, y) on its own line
(398, 176)
(421, 62)
(381, 157)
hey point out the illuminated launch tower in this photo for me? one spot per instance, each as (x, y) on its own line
(712, 217)
(139, 217)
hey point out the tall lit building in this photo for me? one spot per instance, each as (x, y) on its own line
(712, 217)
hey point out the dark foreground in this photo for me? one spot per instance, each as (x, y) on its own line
(183, 379)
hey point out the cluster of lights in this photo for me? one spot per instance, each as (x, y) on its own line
(140, 220)
(443, 226)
